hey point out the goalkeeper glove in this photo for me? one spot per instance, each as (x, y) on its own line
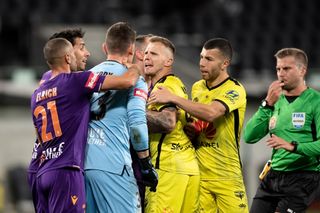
(149, 174)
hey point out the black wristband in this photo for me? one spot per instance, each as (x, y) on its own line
(265, 105)
(295, 146)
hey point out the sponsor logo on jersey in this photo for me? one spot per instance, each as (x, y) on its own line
(52, 152)
(207, 128)
(232, 95)
(167, 210)
(92, 80)
(140, 93)
(298, 119)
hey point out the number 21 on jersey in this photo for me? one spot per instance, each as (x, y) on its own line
(41, 111)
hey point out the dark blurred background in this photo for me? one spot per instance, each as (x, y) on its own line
(255, 28)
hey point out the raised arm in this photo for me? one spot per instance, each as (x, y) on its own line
(125, 81)
(203, 112)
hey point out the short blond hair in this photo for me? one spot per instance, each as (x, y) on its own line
(299, 55)
(166, 42)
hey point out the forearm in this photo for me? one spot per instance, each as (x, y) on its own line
(160, 122)
(204, 112)
(311, 149)
(125, 81)
(258, 126)
(143, 154)
(139, 137)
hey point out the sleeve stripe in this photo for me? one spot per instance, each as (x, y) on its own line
(224, 104)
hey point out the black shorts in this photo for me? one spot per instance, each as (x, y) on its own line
(286, 192)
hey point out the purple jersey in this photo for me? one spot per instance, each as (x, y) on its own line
(35, 160)
(60, 109)
(46, 76)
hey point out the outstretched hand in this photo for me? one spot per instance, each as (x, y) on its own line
(160, 96)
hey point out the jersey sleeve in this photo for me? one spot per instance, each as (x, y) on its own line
(89, 81)
(136, 109)
(312, 148)
(233, 98)
(258, 126)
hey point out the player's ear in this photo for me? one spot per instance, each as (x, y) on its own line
(139, 55)
(169, 62)
(303, 70)
(104, 48)
(225, 64)
(67, 58)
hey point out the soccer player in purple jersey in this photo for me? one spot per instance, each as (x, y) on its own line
(76, 37)
(60, 112)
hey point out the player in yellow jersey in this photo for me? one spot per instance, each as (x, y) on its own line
(173, 154)
(218, 106)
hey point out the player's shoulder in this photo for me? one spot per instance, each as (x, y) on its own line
(199, 84)
(171, 80)
(109, 68)
(313, 92)
(234, 84)
(141, 83)
(313, 95)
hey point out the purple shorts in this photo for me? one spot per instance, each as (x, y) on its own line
(61, 190)
(32, 178)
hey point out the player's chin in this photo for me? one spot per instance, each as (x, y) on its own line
(82, 67)
(204, 76)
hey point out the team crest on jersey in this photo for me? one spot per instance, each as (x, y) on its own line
(298, 119)
(141, 93)
(272, 122)
(239, 194)
(232, 95)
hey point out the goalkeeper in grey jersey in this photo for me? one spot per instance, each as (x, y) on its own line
(291, 115)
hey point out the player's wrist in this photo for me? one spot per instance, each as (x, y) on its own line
(295, 146)
(145, 163)
(266, 104)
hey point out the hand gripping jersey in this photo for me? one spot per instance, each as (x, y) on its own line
(60, 112)
(218, 153)
(296, 121)
(123, 117)
(173, 152)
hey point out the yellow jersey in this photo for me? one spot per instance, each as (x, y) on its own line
(173, 152)
(218, 153)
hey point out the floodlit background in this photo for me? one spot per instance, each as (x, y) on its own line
(255, 28)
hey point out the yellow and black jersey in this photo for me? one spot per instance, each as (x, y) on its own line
(173, 152)
(218, 153)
